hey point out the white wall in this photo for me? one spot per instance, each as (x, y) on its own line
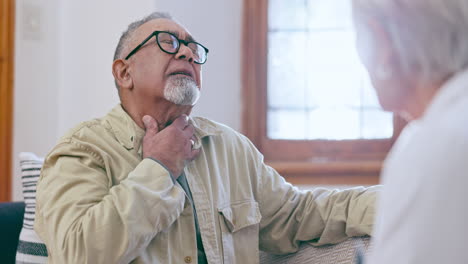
(36, 85)
(63, 59)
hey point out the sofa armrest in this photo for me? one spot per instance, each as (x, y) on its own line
(11, 221)
(342, 253)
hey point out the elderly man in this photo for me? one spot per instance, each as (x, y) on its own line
(148, 184)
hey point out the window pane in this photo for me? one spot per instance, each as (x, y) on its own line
(315, 76)
(286, 124)
(286, 70)
(369, 97)
(333, 123)
(328, 14)
(334, 77)
(377, 124)
(287, 14)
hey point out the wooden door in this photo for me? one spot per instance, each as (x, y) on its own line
(7, 29)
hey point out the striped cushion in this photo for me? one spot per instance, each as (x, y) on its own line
(31, 249)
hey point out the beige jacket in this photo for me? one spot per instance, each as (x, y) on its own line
(99, 202)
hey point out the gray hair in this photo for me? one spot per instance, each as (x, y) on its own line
(128, 33)
(430, 36)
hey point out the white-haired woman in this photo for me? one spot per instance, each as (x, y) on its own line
(416, 53)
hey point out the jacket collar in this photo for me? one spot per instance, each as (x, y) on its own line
(130, 135)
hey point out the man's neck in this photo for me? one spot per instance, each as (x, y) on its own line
(164, 112)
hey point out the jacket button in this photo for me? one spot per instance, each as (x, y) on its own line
(188, 259)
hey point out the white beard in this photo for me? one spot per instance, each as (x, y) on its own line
(182, 90)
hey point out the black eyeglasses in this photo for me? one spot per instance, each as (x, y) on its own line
(169, 43)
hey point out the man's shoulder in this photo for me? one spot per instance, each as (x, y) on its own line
(206, 122)
(90, 128)
(91, 136)
(215, 128)
(223, 136)
(98, 127)
(220, 133)
(88, 137)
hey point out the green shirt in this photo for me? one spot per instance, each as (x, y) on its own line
(182, 180)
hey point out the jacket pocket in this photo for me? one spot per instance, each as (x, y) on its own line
(239, 224)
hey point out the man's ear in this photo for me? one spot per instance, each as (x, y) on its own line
(121, 74)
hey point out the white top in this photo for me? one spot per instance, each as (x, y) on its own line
(423, 209)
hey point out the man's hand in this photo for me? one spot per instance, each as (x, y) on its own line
(172, 146)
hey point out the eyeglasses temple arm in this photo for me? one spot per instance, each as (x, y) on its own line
(139, 46)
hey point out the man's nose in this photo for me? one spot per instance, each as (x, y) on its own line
(185, 53)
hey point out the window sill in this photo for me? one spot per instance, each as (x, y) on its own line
(329, 173)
